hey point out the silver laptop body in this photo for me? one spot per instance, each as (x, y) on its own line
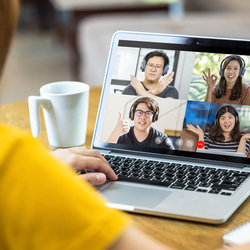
(198, 203)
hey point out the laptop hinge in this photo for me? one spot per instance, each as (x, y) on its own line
(183, 159)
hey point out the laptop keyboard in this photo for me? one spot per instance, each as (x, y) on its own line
(178, 176)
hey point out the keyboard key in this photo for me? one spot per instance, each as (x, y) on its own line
(146, 178)
(230, 183)
(178, 185)
(158, 178)
(158, 173)
(226, 193)
(201, 190)
(192, 182)
(214, 191)
(204, 184)
(191, 188)
(227, 187)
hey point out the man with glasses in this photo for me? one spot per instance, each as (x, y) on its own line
(143, 112)
(155, 64)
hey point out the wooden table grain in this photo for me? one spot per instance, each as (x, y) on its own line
(178, 234)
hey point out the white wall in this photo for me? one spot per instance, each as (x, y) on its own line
(184, 72)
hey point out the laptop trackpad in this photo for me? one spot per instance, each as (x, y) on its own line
(134, 195)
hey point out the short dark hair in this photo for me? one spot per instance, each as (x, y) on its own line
(159, 53)
(150, 102)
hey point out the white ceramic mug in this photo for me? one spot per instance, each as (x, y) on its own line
(65, 109)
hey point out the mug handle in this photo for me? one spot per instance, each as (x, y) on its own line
(34, 109)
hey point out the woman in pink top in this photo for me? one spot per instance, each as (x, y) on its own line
(230, 88)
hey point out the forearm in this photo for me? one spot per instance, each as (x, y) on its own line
(156, 90)
(145, 93)
(208, 97)
(242, 147)
(201, 139)
(113, 138)
(134, 239)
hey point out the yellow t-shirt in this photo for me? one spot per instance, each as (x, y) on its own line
(44, 206)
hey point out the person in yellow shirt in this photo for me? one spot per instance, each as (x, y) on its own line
(42, 203)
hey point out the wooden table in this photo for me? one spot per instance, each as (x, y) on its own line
(177, 234)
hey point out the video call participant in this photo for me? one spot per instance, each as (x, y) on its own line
(225, 134)
(155, 64)
(143, 112)
(230, 89)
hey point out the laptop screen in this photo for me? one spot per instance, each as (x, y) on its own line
(174, 95)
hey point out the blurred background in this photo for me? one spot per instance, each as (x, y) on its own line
(69, 39)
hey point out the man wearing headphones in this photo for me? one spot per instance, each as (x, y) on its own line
(155, 64)
(143, 112)
(230, 89)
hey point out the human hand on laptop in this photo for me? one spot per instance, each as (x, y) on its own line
(81, 158)
(122, 127)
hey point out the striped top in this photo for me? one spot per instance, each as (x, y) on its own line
(228, 146)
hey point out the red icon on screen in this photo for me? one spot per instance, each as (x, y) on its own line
(200, 144)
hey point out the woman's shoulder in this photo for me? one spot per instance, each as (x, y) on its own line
(12, 139)
(216, 86)
(11, 134)
(245, 94)
(246, 87)
(215, 89)
(206, 136)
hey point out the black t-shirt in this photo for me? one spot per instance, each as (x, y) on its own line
(169, 91)
(155, 139)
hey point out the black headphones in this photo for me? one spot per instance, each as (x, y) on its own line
(144, 62)
(216, 121)
(242, 68)
(132, 112)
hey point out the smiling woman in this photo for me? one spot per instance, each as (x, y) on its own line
(225, 134)
(230, 88)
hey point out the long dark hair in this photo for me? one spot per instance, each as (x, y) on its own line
(216, 133)
(222, 86)
(8, 18)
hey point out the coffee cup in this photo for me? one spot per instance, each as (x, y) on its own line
(65, 109)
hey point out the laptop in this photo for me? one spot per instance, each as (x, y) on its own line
(182, 180)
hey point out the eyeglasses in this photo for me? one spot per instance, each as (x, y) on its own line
(151, 66)
(139, 113)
